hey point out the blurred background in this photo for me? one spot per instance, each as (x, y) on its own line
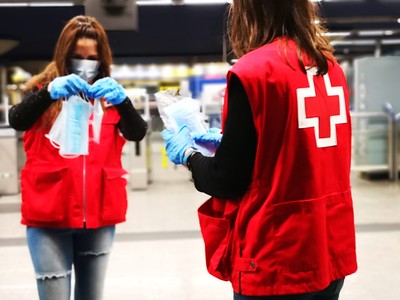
(182, 44)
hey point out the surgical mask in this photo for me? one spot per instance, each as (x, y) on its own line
(87, 69)
(97, 119)
(75, 140)
(70, 131)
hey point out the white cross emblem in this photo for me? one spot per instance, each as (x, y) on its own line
(309, 122)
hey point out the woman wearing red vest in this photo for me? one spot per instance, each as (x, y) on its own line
(71, 203)
(279, 224)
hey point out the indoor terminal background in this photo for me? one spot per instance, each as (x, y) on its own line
(157, 45)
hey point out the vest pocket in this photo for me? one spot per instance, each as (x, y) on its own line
(114, 204)
(44, 194)
(300, 241)
(217, 218)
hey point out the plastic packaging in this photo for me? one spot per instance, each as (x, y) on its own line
(176, 110)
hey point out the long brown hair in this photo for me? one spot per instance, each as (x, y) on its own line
(75, 29)
(254, 23)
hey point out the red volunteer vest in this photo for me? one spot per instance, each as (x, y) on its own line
(66, 193)
(293, 230)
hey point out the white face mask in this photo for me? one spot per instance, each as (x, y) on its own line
(85, 68)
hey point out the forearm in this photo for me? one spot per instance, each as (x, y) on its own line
(23, 116)
(228, 173)
(132, 126)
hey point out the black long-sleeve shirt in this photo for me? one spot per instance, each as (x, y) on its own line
(228, 173)
(23, 115)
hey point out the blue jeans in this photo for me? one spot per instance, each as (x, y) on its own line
(330, 293)
(54, 251)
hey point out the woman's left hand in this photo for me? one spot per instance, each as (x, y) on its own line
(177, 143)
(109, 89)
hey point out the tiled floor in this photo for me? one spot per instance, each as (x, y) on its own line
(158, 253)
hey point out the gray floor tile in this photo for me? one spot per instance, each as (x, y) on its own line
(158, 253)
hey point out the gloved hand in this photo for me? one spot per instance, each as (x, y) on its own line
(212, 137)
(109, 89)
(177, 143)
(66, 86)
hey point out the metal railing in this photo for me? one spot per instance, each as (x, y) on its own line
(394, 138)
(384, 127)
(370, 149)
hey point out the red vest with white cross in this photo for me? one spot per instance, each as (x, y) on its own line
(293, 231)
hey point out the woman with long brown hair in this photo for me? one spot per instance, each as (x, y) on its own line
(279, 224)
(73, 194)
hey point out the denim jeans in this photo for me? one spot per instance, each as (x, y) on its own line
(330, 293)
(55, 251)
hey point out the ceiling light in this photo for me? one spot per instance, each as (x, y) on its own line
(370, 32)
(7, 4)
(154, 2)
(366, 42)
(375, 32)
(391, 42)
(50, 4)
(207, 1)
(354, 43)
(337, 33)
(171, 2)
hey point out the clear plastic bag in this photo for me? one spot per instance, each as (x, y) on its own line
(177, 111)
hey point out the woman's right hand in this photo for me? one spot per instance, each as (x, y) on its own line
(66, 86)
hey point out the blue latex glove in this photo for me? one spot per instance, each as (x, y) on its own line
(212, 137)
(66, 86)
(109, 89)
(177, 143)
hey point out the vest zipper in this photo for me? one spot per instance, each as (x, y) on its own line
(84, 189)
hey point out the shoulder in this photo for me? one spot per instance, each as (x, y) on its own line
(262, 58)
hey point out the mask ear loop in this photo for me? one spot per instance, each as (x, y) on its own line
(57, 146)
(69, 156)
(97, 117)
(54, 144)
(86, 97)
(47, 135)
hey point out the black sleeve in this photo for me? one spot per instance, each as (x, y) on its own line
(228, 173)
(23, 115)
(132, 126)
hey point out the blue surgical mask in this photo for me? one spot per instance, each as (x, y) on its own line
(87, 69)
(76, 135)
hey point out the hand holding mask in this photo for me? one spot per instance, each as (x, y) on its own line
(66, 86)
(109, 89)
